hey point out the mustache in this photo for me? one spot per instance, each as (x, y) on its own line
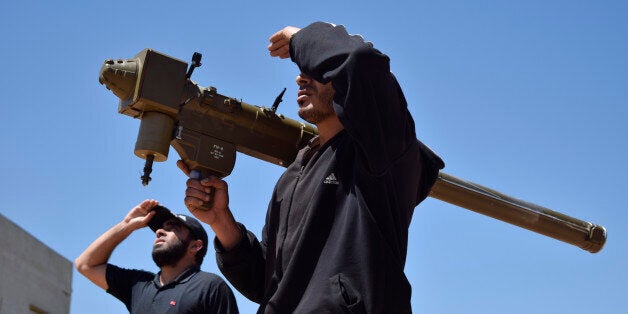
(308, 87)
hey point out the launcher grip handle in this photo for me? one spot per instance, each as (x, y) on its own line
(198, 175)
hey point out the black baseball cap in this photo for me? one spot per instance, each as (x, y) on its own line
(195, 227)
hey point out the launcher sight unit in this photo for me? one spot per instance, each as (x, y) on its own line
(206, 129)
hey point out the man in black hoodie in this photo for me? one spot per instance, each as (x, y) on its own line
(336, 230)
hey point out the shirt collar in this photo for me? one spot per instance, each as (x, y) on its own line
(314, 145)
(185, 276)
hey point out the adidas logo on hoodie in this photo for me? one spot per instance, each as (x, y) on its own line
(331, 179)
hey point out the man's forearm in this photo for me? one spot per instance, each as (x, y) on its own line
(228, 232)
(92, 262)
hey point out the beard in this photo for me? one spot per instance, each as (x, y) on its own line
(315, 114)
(170, 256)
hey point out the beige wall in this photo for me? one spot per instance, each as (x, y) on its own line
(33, 277)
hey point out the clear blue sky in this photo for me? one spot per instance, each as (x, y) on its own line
(526, 97)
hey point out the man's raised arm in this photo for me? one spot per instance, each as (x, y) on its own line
(92, 263)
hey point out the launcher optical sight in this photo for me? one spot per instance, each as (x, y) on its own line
(206, 129)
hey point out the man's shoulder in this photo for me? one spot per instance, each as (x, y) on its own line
(207, 276)
(210, 283)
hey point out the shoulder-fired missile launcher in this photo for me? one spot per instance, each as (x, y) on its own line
(207, 128)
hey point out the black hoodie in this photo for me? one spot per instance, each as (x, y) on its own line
(336, 230)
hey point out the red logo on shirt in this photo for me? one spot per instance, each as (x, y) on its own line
(173, 303)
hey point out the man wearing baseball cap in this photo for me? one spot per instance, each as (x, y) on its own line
(179, 248)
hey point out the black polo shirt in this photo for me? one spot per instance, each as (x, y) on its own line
(194, 291)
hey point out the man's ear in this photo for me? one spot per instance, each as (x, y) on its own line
(195, 246)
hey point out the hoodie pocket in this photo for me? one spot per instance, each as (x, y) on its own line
(346, 295)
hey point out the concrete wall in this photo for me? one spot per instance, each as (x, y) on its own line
(33, 277)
